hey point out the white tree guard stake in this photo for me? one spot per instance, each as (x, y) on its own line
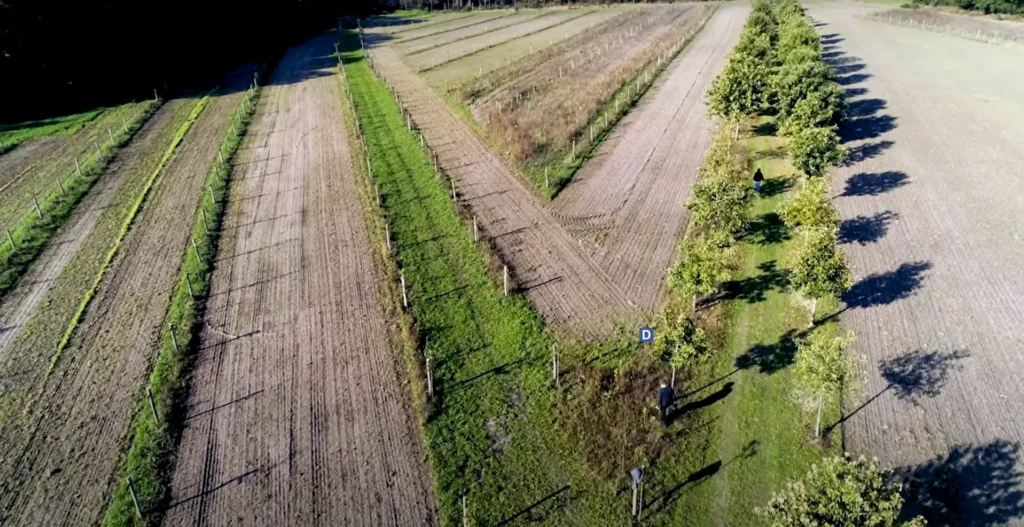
(476, 231)
(11, 239)
(405, 296)
(206, 224)
(188, 282)
(387, 235)
(430, 380)
(97, 145)
(574, 150)
(78, 168)
(111, 135)
(376, 189)
(454, 196)
(38, 210)
(506, 280)
(465, 514)
(124, 122)
(196, 249)
(554, 366)
(61, 187)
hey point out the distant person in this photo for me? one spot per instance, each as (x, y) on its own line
(665, 396)
(758, 178)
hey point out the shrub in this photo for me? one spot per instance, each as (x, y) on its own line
(815, 149)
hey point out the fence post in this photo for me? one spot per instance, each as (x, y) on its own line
(387, 235)
(111, 135)
(213, 199)
(97, 145)
(376, 189)
(174, 339)
(455, 197)
(465, 515)
(554, 366)
(62, 193)
(78, 168)
(125, 123)
(131, 490)
(476, 231)
(38, 210)
(196, 249)
(405, 296)
(506, 280)
(206, 224)
(152, 405)
(11, 239)
(430, 380)
(188, 282)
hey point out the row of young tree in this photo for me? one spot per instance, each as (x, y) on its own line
(777, 69)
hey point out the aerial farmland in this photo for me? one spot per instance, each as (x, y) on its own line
(687, 263)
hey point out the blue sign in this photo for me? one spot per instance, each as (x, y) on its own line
(646, 335)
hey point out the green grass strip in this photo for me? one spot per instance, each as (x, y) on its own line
(32, 233)
(153, 443)
(14, 134)
(73, 325)
(491, 434)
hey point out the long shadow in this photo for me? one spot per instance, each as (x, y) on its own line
(864, 107)
(866, 151)
(775, 186)
(912, 376)
(531, 512)
(767, 229)
(974, 485)
(861, 128)
(753, 289)
(770, 358)
(885, 288)
(874, 183)
(711, 399)
(866, 229)
(672, 494)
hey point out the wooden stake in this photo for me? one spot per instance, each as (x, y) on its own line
(78, 168)
(476, 231)
(196, 249)
(547, 183)
(188, 282)
(152, 405)
(221, 155)
(111, 135)
(174, 339)
(38, 210)
(506, 280)
(61, 187)
(574, 150)
(206, 224)
(125, 123)
(11, 239)
(455, 198)
(387, 235)
(376, 189)
(405, 296)
(465, 514)
(131, 488)
(554, 366)
(213, 199)
(97, 145)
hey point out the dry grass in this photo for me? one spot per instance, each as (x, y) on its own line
(980, 28)
(547, 107)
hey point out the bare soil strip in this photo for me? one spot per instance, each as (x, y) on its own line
(14, 162)
(62, 450)
(452, 25)
(297, 415)
(467, 32)
(439, 55)
(931, 204)
(629, 202)
(21, 303)
(549, 266)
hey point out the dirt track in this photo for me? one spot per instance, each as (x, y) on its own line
(629, 201)
(297, 414)
(62, 452)
(567, 286)
(931, 205)
(18, 305)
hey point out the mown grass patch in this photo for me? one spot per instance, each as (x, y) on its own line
(763, 436)
(154, 441)
(12, 135)
(25, 241)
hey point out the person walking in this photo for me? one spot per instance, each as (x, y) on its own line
(665, 396)
(758, 178)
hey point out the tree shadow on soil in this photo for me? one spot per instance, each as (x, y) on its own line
(873, 184)
(768, 129)
(866, 151)
(973, 485)
(753, 289)
(866, 229)
(770, 358)
(711, 399)
(885, 288)
(538, 511)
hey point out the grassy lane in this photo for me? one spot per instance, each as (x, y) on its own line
(763, 436)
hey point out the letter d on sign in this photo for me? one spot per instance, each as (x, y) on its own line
(646, 335)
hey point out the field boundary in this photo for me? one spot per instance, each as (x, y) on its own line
(156, 428)
(76, 319)
(977, 36)
(31, 234)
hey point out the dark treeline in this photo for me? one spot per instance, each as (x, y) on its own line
(1011, 7)
(61, 56)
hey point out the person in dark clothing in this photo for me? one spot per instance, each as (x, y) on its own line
(665, 396)
(758, 178)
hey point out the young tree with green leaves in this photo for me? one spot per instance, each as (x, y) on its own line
(739, 90)
(796, 80)
(822, 369)
(839, 491)
(786, 9)
(796, 33)
(683, 344)
(811, 207)
(813, 150)
(719, 204)
(820, 269)
(703, 268)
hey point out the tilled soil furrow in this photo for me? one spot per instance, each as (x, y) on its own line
(634, 192)
(22, 301)
(549, 266)
(928, 202)
(82, 414)
(451, 37)
(296, 384)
